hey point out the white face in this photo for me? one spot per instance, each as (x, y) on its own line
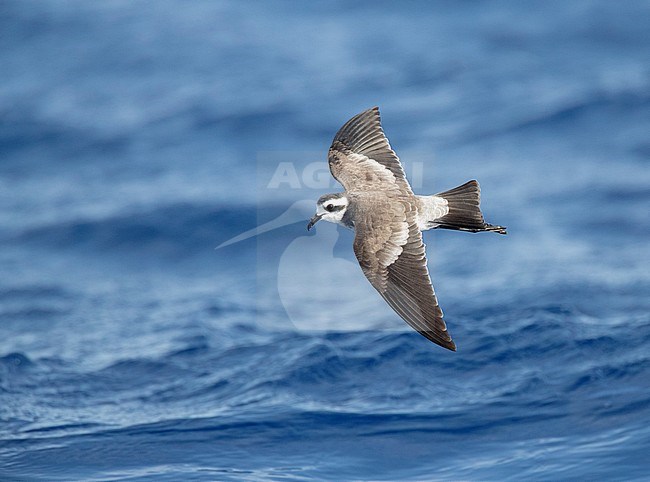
(332, 210)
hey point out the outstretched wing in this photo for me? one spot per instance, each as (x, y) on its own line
(361, 158)
(390, 250)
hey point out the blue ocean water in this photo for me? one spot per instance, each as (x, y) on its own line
(136, 137)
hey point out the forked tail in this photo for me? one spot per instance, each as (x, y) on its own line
(464, 210)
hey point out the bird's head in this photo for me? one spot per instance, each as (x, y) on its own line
(330, 207)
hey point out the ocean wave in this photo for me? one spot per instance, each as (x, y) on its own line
(173, 230)
(15, 362)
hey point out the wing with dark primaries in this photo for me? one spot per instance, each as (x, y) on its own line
(361, 158)
(394, 261)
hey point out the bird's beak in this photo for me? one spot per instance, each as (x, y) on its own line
(313, 221)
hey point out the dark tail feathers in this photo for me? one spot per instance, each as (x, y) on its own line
(465, 211)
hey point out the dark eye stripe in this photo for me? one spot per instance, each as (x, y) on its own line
(333, 207)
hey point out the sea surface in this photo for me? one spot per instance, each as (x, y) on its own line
(137, 137)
